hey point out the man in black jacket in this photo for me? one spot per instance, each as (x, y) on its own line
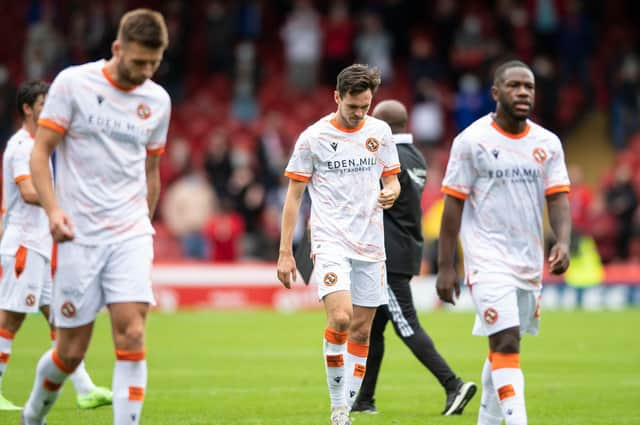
(403, 245)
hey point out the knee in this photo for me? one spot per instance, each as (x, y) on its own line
(360, 333)
(130, 338)
(340, 320)
(71, 355)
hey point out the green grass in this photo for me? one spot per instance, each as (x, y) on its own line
(265, 368)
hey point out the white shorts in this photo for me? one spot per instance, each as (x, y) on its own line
(89, 277)
(367, 281)
(500, 306)
(26, 281)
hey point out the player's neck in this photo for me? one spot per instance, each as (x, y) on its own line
(509, 125)
(111, 69)
(30, 126)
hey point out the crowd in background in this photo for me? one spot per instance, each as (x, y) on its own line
(247, 76)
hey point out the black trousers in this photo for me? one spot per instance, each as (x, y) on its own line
(402, 314)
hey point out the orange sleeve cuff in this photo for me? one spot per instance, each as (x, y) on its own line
(158, 151)
(52, 126)
(557, 189)
(452, 192)
(22, 177)
(297, 177)
(391, 172)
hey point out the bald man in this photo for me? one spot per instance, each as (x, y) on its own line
(403, 244)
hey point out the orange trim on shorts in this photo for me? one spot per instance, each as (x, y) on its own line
(22, 178)
(58, 362)
(21, 261)
(43, 122)
(6, 334)
(505, 361)
(506, 391)
(114, 83)
(136, 393)
(557, 189)
(52, 335)
(452, 192)
(297, 177)
(130, 356)
(357, 349)
(54, 259)
(335, 360)
(51, 386)
(4, 358)
(359, 370)
(157, 151)
(490, 355)
(391, 172)
(335, 337)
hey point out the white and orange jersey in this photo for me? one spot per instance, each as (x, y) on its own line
(24, 224)
(100, 163)
(504, 179)
(343, 168)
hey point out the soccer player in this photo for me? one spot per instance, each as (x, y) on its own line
(26, 249)
(501, 170)
(109, 123)
(342, 158)
(403, 243)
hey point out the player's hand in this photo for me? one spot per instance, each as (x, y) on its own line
(287, 269)
(559, 258)
(61, 226)
(447, 285)
(386, 198)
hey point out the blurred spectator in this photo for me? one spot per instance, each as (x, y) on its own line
(373, 45)
(622, 203)
(272, 147)
(338, 40)
(302, 37)
(580, 199)
(603, 228)
(172, 69)
(545, 16)
(7, 106)
(468, 51)
(44, 47)
(427, 114)
(247, 19)
(423, 63)
(217, 161)
(469, 103)
(244, 105)
(218, 36)
(546, 91)
(177, 162)
(625, 101)
(187, 205)
(575, 44)
(224, 231)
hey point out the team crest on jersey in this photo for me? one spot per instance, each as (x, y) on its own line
(330, 279)
(30, 300)
(490, 316)
(540, 155)
(143, 111)
(372, 144)
(68, 310)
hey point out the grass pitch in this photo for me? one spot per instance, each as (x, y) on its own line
(265, 368)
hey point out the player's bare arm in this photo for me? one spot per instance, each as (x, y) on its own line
(560, 220)
(28, 192)
(447, 282)
(286, 262)
(390, 191)
(152, 170)
(45, 142)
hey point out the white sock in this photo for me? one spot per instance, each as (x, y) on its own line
(355, 365)
(6, 339)
(489, 412)
(50, 375)
(129, 385)
(334, 348)
(79, 378)
(508, 382)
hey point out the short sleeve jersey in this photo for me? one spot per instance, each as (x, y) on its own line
(504, 179)
(343, 168)
(24, 224)
(100, 163)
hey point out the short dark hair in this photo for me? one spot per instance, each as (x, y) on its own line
(357, 78)
(498, 75)
(144, 26)
(28, 93)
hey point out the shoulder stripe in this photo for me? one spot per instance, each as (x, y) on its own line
(52, 126)
(158, 151)
(452, 192)
(557, 189)
(297, 177)
(391, 171)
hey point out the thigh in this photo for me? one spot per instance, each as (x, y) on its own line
(496, 307)
(22, 284)
(77, 294)
(368, 283)
(331, 274)
(126, 277)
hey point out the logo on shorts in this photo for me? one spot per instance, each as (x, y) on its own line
(372, 144)
(68, 310)
(30, 300)
(540, 155)
(143, 111)
(330, 279)
(490, 316)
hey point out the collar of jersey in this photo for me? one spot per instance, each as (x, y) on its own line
(114, 83)
(400, 138)
(520, 135)
(334, 123)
